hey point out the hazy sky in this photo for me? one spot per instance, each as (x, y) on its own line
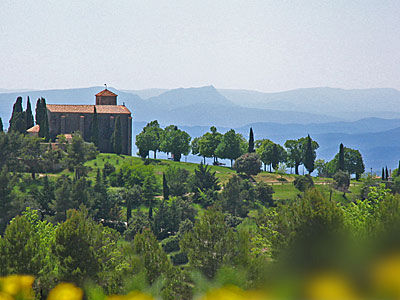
(264, 45)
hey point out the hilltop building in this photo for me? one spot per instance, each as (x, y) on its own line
(67, 119)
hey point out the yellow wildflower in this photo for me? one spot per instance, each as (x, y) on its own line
(386, 274)
(330, 286)
(4, 296)
(225, 293)
(135, 295)
(65, 291)
(17, 285)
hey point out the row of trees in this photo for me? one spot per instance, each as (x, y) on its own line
(170, 140)
(232, 145)
(22, 120)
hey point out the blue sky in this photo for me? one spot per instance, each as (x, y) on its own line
(263, 45)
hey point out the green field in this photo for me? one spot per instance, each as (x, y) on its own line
(284, 190)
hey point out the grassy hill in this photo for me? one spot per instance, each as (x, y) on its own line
(284, 190)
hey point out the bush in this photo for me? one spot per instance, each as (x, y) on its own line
(130, 175)
(342, 181)
(248, 163)
(108, 168)
(303, 183)
(179, 258)
(177, 179)
(171, 244)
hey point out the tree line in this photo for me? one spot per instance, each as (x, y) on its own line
(232, 145)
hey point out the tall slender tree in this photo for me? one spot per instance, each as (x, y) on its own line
(386, 173)
(17, 121)
(94, 129)
(38, 112)
(309, 156)
(341, 165)
(383, 173)
(251, 141)
(165, 187)
(117, 136)
(28, 115)
(44, 131)
(1, 125)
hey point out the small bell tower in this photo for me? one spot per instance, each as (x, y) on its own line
(106, 97)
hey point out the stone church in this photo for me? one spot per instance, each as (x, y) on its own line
(67, 119)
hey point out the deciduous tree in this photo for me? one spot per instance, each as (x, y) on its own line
(175, 141)
(232, 146)
(210, 244)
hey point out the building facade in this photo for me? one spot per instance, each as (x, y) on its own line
(67, 119)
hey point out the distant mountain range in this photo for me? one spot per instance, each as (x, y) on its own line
(346, 104)
(368, 120)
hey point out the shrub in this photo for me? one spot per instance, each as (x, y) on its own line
(303, 183)
(248, 163)
(179, 258)
(171, 244)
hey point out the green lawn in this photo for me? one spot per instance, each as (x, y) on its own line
(284, 190)
(160, 165)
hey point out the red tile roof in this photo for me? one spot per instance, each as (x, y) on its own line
(106, 93)
(88, 109)
(34, 129)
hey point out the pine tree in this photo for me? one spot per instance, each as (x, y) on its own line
(309, 156)
(251, 141)
(1, 125)
(94, 129)
(340, 165)
(46, 196)
(383, 173)
(149, 191)
(28, 115)
(165, 188)
(386, 173)
(44, 121)
(117, 136)
(17, 121)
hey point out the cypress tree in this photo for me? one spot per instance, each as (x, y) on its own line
(309, 156)
(28, 115)
(340, 165)
(38, 112)
(94, 129)
(383, 174)
(117, 136)
(386, 173)
(251, 141)
(165, 187)
(17, 121)
(44, 121)
(1, 125)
